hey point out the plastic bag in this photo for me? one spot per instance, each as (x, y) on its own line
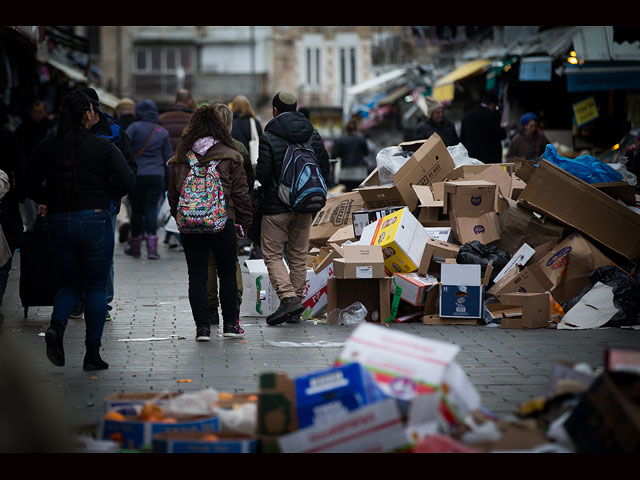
(460, 156)
(242, 419)
(621, 168)
(354, 314)
(477, 253)
(585, 167)
(192, 404)
(626, 295)
(389, 160)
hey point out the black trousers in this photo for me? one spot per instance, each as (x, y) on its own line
(196, 250)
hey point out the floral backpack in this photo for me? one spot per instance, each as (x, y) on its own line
(201, 207)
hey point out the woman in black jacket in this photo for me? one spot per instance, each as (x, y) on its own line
(82, 172)
(242, 115)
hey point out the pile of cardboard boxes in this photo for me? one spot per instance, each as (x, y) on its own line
(393, 247)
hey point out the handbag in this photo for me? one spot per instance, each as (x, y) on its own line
(253, 144)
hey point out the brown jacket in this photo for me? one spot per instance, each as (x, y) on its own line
(232, 176)
(174, 120)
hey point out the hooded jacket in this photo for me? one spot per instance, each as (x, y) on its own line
(152, 161)
(232, 176)
(175, 120)
(291, 127)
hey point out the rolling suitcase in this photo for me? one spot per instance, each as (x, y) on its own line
(38, 284)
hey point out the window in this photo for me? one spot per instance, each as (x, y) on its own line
(348, 66)
(155, 69)
(313, 66)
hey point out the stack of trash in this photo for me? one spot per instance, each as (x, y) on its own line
(434, 236)
(386, 391)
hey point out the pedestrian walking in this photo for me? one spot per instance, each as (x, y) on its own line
(280, 224)
(152, 145)
(352, 149)
(212, 282)
(206, 149)
(106, 126)
(243, 116)
(437, 123)
(14, 163)
(529, 142)
(481, 132)
(73, 178)
(126, 112)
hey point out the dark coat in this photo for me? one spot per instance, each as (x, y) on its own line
(293, 127)
(241, 129)
(446, 131)
(232, 176)
(174, 120)
(14, 163)
(481, 135)
(352, 150)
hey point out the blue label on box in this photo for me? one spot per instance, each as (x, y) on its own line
(198, 446)
(461, 301)
(330, 393)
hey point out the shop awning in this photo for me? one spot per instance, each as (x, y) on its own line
(72, 73)
(443, 89)
(107, 98)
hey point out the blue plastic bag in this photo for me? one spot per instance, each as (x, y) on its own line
(585, 167)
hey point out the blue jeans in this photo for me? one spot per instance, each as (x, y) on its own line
(82, 245)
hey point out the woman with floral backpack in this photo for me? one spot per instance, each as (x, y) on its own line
(208, 196)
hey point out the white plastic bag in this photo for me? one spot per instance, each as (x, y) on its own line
(461, 156)
(621, 168)
(192, 404)
(389, 160)
(239, 420)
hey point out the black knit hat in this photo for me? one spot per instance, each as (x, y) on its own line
(93, 97)
(285, 102)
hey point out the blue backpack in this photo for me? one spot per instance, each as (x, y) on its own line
(302, 186)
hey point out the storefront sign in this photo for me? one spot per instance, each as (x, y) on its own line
(585, 111)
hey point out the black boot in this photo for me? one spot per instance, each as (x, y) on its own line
(92, 360)
(55, 349)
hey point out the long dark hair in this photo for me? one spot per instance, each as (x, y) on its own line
(205, 122)
(70, 146)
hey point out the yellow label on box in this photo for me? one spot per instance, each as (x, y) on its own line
(395, 259)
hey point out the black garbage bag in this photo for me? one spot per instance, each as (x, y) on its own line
(476, 253)
(626, 295)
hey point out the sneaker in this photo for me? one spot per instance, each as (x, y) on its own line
(203, 334)
(233, 329)
(289, 307)
(76, 315)
(108, 317)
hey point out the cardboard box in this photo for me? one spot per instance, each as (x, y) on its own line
(414, 287)
(535, 310)
(430, 210)
(345, 234)
(259, 297)
(359, 261)
(403, 365)
(531, 279)
(607, 419)
(519, 225)
(402, 239)
(328, 394)
(128, 403)
(497, 174)
(375, 428)
(336, 214)
(461, 291)
(366, 217)
(438, 320)
(484, 228)
(134, 433)
(553, 191)
(193, 442)
(471, 198)
(372, 293)
(315, 293)
(430, 163)
(436, 251)
(276, 405)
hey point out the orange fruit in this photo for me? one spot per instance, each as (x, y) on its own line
(151, 412)
(210, 437)
(225, 396)
(252, 398)
(115, 416)
(169, 420)
(116, 437)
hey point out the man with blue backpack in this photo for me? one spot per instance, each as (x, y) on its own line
(292, 167)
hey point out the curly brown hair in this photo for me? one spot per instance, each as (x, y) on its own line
(205, 122)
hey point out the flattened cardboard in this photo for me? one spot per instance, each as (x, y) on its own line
(372, 293)
(336, 214)
(530, 280)
(521, 257)
(344, 234)
(359, 261)
(555, 192)
(430, 210)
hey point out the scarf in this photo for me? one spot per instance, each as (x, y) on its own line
(202, 145)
